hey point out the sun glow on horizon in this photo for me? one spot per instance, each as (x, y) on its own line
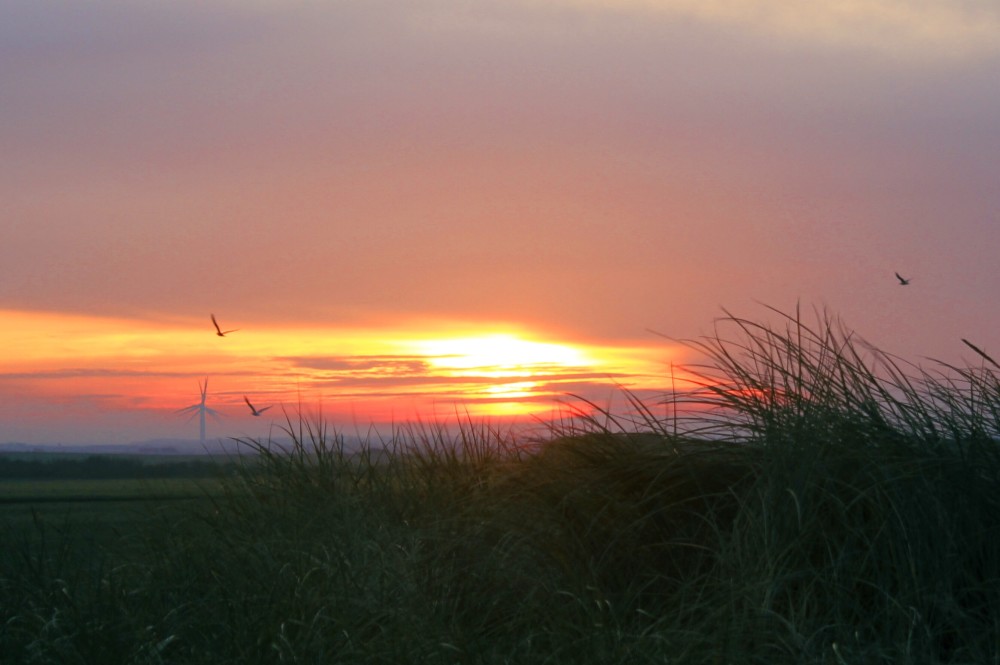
(93, 366)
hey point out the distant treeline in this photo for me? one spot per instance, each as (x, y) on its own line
(107, 467)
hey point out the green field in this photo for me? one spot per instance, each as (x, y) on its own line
(84, 490)
(814, 502)
(100, 507)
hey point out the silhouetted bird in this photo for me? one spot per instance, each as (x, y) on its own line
(219, 331)
(253, 411)
(902, 280)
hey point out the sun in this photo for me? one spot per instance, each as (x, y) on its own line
(499, 355)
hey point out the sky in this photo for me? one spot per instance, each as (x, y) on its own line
(417, 208)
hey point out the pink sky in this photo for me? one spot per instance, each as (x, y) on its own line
(575, 171)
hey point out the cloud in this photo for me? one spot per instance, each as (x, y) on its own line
(388, 364)
(85, 373)
(411, 377)
(918, 29)
(461, 383)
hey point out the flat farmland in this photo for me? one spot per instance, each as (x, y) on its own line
(82, 490)
(93, 501)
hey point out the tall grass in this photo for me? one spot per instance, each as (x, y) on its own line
(815, 501)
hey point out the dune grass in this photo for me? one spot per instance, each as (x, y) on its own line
(815, 501)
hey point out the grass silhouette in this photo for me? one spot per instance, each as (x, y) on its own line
(815, 500)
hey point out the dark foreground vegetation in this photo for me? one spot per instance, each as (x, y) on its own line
(813, 501)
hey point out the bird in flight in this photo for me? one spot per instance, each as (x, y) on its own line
(903, 281)
(219, 331)
(254, 411)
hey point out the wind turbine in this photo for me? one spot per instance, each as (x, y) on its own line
(201, 409)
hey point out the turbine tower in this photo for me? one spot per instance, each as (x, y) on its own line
(201, 409)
